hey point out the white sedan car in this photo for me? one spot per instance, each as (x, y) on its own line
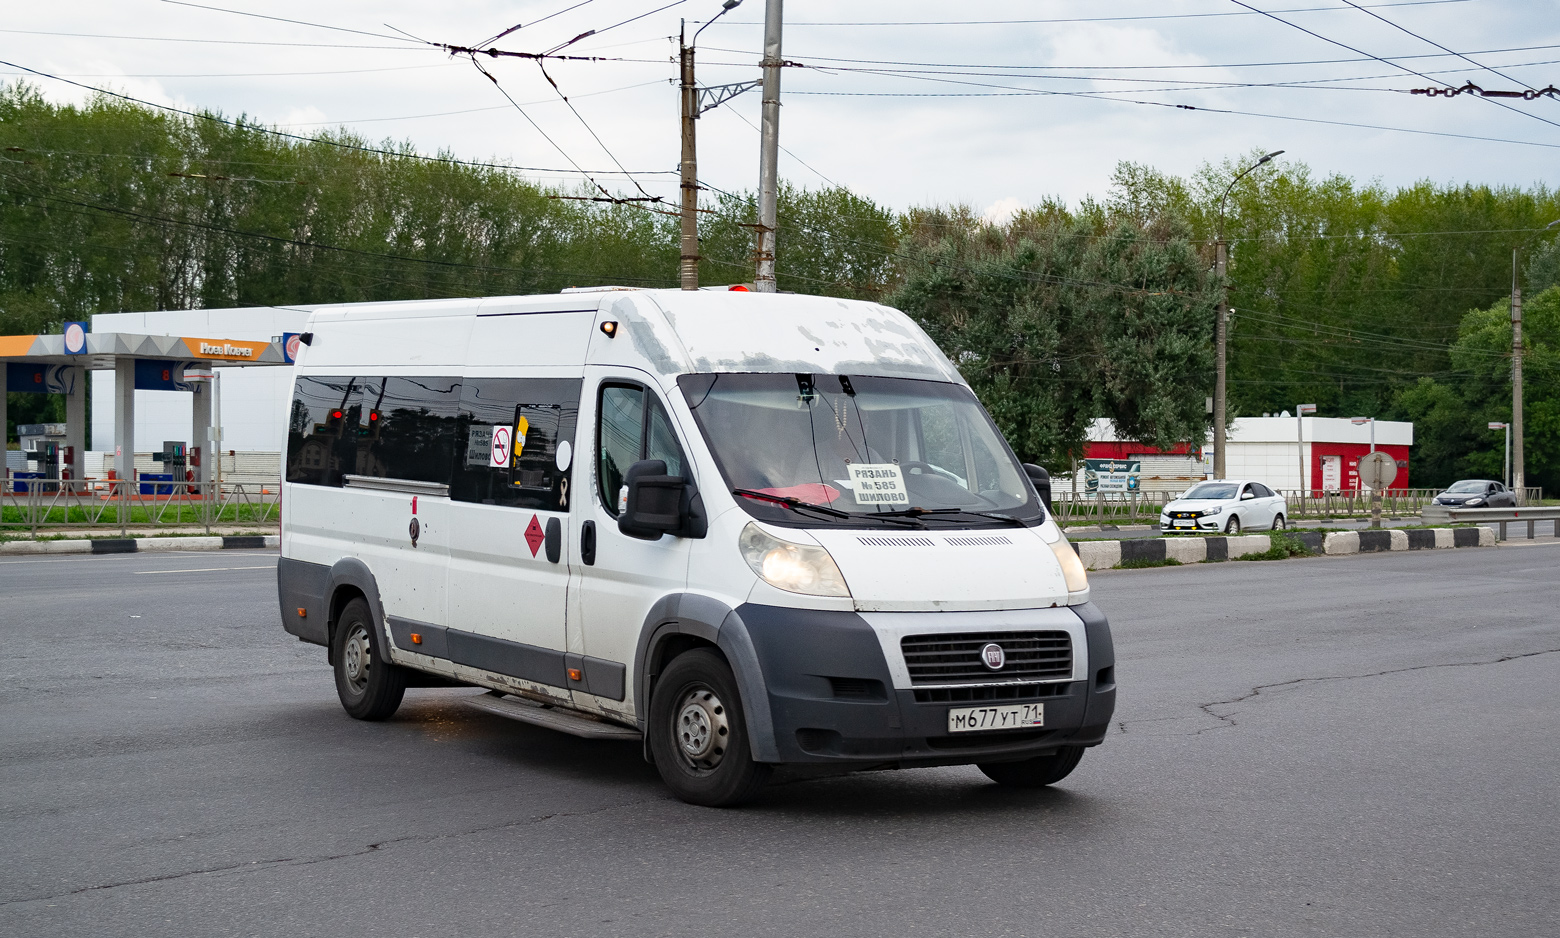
(1227, 506)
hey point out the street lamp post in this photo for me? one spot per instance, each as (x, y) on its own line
(1221, 327)
(1375, 496)
(1300, 411)
(1505, 479)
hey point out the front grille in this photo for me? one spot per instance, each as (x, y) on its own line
(1185, 514)
(956, 658)
(990, 692)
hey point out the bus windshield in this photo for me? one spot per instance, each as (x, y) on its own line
(869, 449)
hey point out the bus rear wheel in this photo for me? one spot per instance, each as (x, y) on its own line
(370, 687)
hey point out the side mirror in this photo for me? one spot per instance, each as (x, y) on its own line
(660, 504)
(1041, 480)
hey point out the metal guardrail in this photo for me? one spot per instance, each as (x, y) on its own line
(1144, 507)
(1500, 517)
(122, 504)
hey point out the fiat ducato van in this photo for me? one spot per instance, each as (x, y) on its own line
(745, 530)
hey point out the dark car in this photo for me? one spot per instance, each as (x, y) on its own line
(1477, 493)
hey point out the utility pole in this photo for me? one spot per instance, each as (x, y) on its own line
(1518, 479)
(1220, 340)
(769, 149)
(689, 265)
(1221, 324)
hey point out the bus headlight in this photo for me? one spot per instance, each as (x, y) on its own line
(1072, 568)
(795, 568)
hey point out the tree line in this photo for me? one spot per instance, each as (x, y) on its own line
(1360, 299)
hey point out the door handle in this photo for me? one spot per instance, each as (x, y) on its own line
(588, 543)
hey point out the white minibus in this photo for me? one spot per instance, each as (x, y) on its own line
(749, 530)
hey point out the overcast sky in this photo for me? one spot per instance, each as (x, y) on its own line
(1011, 101)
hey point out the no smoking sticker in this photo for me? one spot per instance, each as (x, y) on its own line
(498, 456)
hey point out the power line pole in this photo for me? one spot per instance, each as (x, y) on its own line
(1220, 334)
(769, 150)
(689, 265)
(1221, 324)
(1518, 481)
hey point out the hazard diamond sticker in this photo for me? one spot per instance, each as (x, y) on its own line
(534, 535)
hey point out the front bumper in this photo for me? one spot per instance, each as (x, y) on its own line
(1192, 525)
(832, 699)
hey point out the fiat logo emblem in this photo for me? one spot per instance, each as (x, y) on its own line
(993, 657)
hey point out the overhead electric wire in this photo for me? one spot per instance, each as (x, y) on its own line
(1432, 42)
(589, 129)
(1344, 45)
(496, 37)
(1101, 96)
(1166, 66)
(339, 71)
(220, 42)
(323, 141)
(1081, 19)
(281, 19)
(599, 187)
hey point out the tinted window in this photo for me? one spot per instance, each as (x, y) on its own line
(319, 448)
(389, 428)
(516, 442)
(407, 429)
(1261, 490)
(631, 426)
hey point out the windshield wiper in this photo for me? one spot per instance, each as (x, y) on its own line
(935, 512)
(796, 504)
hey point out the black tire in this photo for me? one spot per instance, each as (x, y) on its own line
(1034, 773)
(1279, 523)
(370, 687)
(698, 734)
(1232, 526)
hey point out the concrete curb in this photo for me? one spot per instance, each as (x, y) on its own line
(1103, 555)
(136, 545)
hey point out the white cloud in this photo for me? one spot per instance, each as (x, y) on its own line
(1002, 211)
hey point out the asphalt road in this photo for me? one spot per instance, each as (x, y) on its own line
(1351, 746)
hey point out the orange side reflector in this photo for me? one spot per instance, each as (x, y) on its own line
(575, 674)
(303, 613)
(416, 639)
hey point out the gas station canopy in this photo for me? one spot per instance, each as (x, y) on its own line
(57, 364)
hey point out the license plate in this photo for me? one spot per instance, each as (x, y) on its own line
(1011, 717)
(1184, 524)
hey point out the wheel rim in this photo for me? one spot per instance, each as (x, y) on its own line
(700, 728)
(357, 658)
(1278, 523)
(1233, 527)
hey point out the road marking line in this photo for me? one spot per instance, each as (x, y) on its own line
(88, 558)
(202, 570)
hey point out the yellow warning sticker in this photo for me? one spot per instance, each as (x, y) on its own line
(522, 426)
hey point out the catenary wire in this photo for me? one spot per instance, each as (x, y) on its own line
(1083, 19)
(324, 141)
(1344, 45)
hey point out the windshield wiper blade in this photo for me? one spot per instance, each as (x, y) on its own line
(796, 504)
(790, 502)
(935, 512)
